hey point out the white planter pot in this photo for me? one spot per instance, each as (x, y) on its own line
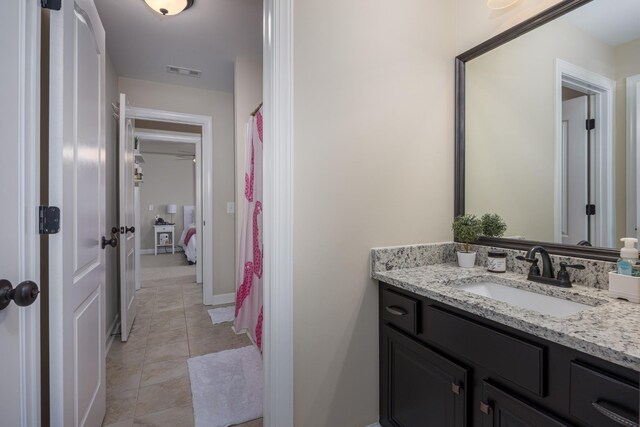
(466, 259)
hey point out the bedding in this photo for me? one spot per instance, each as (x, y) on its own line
(188, 243)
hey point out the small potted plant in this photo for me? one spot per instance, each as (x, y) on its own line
(493, 225)
(466, 228)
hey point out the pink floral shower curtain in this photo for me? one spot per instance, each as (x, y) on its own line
(249, 290)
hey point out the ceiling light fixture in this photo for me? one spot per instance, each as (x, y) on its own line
(500, 4)
(169, 7)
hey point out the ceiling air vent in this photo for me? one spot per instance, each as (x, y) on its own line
(183, 71)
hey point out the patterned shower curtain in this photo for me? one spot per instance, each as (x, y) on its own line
(249, 289)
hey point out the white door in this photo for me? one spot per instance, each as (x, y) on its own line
(127, 245)
(77, 117)
(19, 326)
(575, 176)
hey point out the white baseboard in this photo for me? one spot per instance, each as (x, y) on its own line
(115, 325)
(160, 251)
(221, 299)
(374, 425)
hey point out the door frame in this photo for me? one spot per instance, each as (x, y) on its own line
(633, 154)
(278, 81)
(29, 185)
(578, 78)
(204, 185)
(182, 138)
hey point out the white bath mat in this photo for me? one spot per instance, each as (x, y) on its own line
(226, 387)
(222, 314)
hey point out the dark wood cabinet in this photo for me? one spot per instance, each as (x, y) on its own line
(501, 409)
(420, 385)
(441, 366)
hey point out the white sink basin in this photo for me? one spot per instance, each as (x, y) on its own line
(543, 304)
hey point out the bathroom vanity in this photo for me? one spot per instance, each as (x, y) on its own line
(540, 115)
(455, 353)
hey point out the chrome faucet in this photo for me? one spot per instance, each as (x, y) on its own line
(548, 275)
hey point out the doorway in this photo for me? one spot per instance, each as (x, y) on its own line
(166, 204)
(278, 110)
(190, 143)
(166, 193)
(585, 196)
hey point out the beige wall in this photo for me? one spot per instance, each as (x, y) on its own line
(627, 59)
(510, 134)
(373, 166)
(219, 105)
(111, 165)
(166, 181)
(247, 95)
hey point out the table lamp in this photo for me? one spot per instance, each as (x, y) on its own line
(171, 210)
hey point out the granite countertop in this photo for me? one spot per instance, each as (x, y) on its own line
(609, 330)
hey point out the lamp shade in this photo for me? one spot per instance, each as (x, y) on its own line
(169, 7)
(172, 209)
(500, 4)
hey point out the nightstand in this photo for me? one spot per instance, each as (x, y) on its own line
(169, 230)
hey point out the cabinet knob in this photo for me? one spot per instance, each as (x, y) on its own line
(455, 388)
(485, 408)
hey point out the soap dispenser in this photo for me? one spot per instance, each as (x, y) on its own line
(628, 256)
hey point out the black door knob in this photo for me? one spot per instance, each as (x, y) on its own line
(129, 229)
(23, 295)
(113, 242)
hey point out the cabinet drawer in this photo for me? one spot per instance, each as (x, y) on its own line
(513, 359)
(164, 228)
(400, 310)
(599, 399)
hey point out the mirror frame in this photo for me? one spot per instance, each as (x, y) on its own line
(565, 6)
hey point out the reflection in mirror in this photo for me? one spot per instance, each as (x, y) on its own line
(551, 128)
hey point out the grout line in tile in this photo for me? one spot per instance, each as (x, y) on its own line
(185, 321)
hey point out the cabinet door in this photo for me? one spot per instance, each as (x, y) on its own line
(501, 409)
(418, 386)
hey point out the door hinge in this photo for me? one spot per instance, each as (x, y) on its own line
(51, 4)
(590, 210)
(591, 124)
(48, 219)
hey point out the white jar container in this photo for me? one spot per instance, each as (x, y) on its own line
(497, 262)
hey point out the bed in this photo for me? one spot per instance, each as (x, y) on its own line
(188, 239)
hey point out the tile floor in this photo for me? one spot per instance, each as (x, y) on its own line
(147, 377)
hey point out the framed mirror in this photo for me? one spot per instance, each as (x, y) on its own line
(547, 129)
